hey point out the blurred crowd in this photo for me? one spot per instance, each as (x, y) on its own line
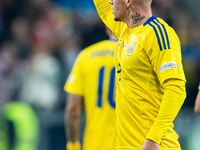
(40, 39)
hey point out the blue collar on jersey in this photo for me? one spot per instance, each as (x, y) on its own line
(149, 20)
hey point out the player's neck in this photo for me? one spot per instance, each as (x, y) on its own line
(137, 18)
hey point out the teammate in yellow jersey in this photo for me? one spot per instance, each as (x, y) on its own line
(91, 82)
(149, 76)
(197, 103)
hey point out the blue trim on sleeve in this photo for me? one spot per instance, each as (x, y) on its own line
(153, 21)
(161, 33)
(156, 36)
(167, 37)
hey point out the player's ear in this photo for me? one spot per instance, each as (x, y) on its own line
(129, 2)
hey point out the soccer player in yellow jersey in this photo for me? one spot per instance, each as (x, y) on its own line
(150, 80)
(197, 103)
(91, 82)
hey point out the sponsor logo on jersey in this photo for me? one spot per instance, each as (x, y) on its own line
(131, 47)
(168, 65)
(125, 45)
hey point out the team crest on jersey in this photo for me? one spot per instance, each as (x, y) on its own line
(131, 47)
(168, 65)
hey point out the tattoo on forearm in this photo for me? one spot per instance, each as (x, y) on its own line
(136, 18)
(73, 124)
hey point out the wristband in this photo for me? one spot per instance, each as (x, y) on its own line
(73, 145)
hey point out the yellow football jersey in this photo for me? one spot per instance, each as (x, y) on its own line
(145, 57)
(93, 77)
(199, 86)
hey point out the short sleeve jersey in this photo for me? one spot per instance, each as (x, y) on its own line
(93, 77)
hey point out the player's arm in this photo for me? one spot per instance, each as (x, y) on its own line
(197, 103)
(74, 86)
(150, 145)
(174, 96)
(72, 121)
(105, 13)
(166, 61)
(171, 103)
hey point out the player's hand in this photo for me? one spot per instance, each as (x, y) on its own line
(150, 145)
